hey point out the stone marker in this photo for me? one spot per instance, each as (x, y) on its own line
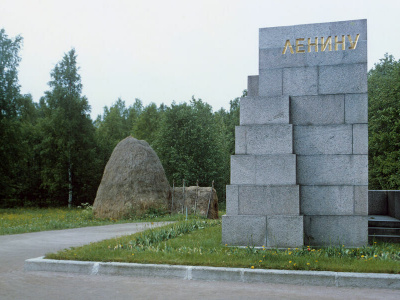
(300, 170)
(133, 182)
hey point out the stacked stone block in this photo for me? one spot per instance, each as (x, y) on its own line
(263, 206)
(301, 161)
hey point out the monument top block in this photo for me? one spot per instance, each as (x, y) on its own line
(321, 44)
(275, 37)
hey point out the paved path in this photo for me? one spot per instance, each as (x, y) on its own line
(16, 284)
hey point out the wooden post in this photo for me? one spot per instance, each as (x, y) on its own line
(184, 202)
(197, 197)
(173, 190)
(209, 200)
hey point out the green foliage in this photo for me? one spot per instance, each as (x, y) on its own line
(152, 236)
(29, 167)
(191, 146)
(114, 126)
(384, 124)
(9, 124)
(192, 142)
(52, 153)
(9, 62)
(13, 221)
(28, 219)
(199, 243)
(148, 124)
(69, 162)
(152, 212)
(232, 121)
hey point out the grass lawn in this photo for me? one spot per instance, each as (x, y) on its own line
(198, 242)
(21, 220)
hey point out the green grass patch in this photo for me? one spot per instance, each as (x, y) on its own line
(198, 242)
(22, 220)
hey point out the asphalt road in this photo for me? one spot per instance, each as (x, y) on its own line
(17, 284)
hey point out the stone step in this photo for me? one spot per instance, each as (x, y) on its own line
(383, 231)
(383, 221)
(388, 224)
(384, 238)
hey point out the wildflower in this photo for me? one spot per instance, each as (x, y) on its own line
(316, 261)
(290, 261)
(260, 260)
(226, 244)
(133, 253)
(308, 264)
(375, 256)
(294, 264)
(252, 267)
(362, 256)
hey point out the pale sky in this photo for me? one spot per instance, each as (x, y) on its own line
(165, 50)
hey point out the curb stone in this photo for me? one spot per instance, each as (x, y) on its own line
(316, 278)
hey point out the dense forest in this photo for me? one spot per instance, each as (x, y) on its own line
(53, 154)
(384, 124)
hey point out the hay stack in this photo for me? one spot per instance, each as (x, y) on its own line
(197, 199)
(133, 182)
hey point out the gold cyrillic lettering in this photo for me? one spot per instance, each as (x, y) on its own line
(315, 44)
(341, 42)
(298, 45)
(327, 43)
(287, 44)
(353, 45)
